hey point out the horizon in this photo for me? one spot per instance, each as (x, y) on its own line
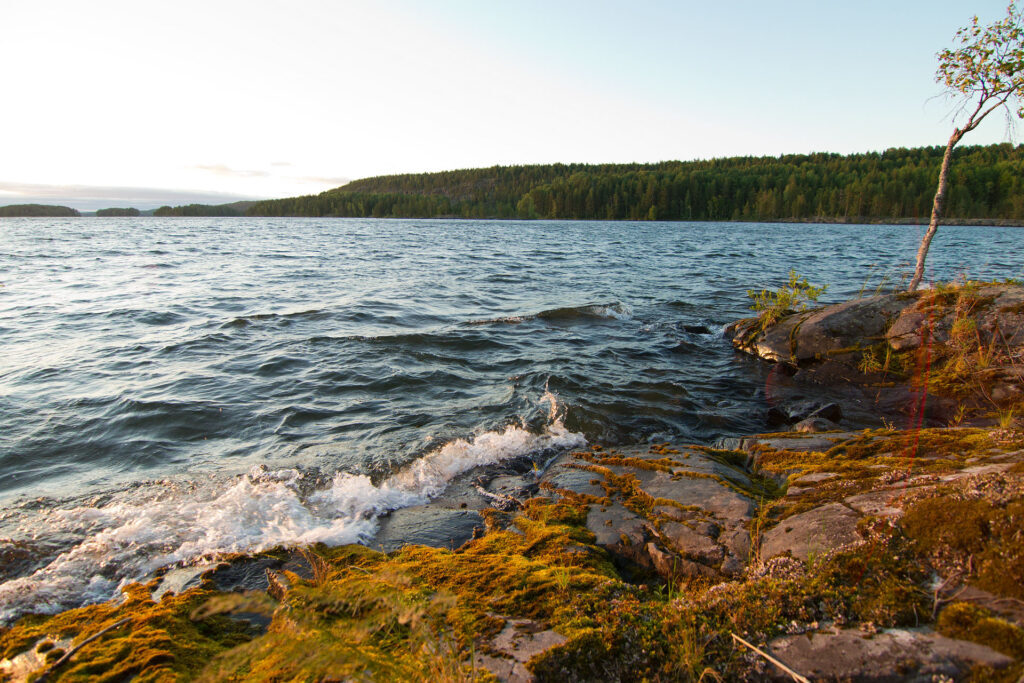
(244, 102)
(149, 199)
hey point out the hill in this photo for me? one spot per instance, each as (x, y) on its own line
(895, 185)
(232, 209)
(36, 210)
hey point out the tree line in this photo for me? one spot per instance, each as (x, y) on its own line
(36, 210)
(898, 184)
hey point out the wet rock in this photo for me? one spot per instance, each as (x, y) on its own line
(250, 573)
(813, 532)
(892, 655)
(564, 473)
(428, 525)
(798, 411)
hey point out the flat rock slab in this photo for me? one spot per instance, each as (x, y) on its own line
(884, 503)
(697, 525)
(520, 641)
(564, 473)
(428, 525)
(615, 525)
(813, 532)
(893, 655)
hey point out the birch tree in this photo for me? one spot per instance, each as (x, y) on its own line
(984, 73)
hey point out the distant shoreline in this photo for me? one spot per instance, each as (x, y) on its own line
(813, 220)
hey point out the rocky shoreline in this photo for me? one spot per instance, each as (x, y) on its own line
(841, 554)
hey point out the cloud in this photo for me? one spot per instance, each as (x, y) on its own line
(227, 171)
(90, 197)
(321, 180)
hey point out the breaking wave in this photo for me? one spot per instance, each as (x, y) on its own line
(195, 524)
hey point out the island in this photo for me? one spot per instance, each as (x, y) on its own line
(37, 211)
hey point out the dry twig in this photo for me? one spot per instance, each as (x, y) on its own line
(793, 674)
(71, 653)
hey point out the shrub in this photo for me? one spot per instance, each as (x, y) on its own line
(789, 298)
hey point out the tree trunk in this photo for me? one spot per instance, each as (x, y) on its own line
(938, 205)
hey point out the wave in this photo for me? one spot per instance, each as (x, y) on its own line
(196, 523)
(614, 311)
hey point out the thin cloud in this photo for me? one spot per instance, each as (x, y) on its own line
(320, 180)
(228, 172)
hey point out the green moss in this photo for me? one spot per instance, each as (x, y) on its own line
(965, 621)
(973, 536)
(160, 642)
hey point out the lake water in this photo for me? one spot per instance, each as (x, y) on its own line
(167, 385)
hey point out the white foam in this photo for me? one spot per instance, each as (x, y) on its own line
(265, 508)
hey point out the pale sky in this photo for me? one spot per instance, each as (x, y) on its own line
(152, 102)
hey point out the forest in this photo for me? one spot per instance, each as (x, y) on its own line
(118, 212)
(36, 210)
(895, 185)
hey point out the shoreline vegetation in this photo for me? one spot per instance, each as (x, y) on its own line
(842, 554)
(893, 187)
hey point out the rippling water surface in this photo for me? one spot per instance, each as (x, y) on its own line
(148, 363)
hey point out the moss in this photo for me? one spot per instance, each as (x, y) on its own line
(975, 537)
(160, 642)
(965, 621)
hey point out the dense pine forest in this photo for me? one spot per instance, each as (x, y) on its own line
(898, 184)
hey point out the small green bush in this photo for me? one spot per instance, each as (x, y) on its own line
(789, 298)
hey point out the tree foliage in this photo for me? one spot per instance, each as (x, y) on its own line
(897, 184)
(986, 73)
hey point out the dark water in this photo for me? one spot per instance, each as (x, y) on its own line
(147, 362)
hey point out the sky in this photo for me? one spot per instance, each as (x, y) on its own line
(129, 103)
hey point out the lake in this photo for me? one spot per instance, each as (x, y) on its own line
(171, 389)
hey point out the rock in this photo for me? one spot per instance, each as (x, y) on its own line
(564, 473)
(907, 331)
(812, 425)
(892, 655)
(693, 544)
(614, 525)
(428, 525)
(813, 532)
(698, 500)
(520, 641)
(737, 542)
(672, 566)
(815, 477)
(249, 573)
(878, 503)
